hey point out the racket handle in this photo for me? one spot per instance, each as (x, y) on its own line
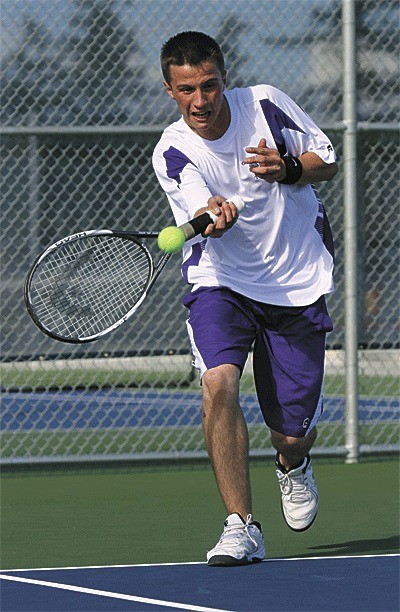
(196, 226)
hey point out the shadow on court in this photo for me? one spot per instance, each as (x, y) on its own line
(390, 545)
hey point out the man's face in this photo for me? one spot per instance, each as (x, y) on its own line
(198, 91)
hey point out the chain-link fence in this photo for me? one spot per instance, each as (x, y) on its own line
(82, 108)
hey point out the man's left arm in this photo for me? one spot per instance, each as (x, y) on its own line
(267, 164)
(314, 169)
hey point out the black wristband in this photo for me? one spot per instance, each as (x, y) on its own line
(294, 170)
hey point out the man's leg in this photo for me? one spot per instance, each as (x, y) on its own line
(292, 451)
(220, 351)
(289, 370)
(300, 498)
(226, 437)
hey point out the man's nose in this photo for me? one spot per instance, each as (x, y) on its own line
(200, 99)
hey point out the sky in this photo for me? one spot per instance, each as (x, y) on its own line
(154, 21)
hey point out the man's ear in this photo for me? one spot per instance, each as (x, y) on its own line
(168, 89)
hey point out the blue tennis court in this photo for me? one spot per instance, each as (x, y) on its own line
(310, 584)
(121, 408)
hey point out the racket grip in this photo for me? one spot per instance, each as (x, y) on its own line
(199, 224)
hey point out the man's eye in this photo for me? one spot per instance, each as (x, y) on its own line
(210, 85)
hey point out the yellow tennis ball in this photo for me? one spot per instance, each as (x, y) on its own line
(171, 239)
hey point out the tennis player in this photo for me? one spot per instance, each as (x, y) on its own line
(258, 279)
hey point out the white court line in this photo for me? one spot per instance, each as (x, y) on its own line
(87, 591)
(82, 567)
(145, 600)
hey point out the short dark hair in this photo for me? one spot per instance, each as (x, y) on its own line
(191, 48)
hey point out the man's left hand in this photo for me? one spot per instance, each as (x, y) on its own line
(265, 163)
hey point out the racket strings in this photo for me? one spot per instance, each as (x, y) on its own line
(88, 285)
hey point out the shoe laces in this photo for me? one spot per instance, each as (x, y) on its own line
(232, 533)
(294, 485)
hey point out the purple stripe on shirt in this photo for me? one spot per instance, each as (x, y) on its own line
(193, 259)
(176, 162)
(278, 120)
(322, 225)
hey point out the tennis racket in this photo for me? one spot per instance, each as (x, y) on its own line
(88, 284)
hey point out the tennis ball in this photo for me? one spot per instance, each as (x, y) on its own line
(171, 239)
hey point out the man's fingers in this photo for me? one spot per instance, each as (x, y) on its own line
(224, 218)
(209, 230)
(226, 213)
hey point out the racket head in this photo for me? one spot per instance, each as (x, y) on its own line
(88, 284)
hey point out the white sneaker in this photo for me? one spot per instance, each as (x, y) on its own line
(299, 495)
(240, 543)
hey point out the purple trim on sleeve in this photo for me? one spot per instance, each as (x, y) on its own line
(277, 119)
(176, 162)
(193, 259)
(322, 225)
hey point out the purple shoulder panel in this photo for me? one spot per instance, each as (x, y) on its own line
(277, 120)
(176, 162)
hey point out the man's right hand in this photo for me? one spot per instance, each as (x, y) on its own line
(227, 216)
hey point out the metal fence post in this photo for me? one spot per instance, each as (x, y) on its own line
(34, 216)
(350, 226)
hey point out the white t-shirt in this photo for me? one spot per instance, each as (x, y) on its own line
(276, 252)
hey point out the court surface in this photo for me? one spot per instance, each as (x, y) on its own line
(311, 584)
(116, 408)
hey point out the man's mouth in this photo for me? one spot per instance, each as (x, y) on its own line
(202, 114)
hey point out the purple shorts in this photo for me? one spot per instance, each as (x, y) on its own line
(289, 351)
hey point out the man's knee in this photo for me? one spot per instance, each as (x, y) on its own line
(221, 378)
(221, 384)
